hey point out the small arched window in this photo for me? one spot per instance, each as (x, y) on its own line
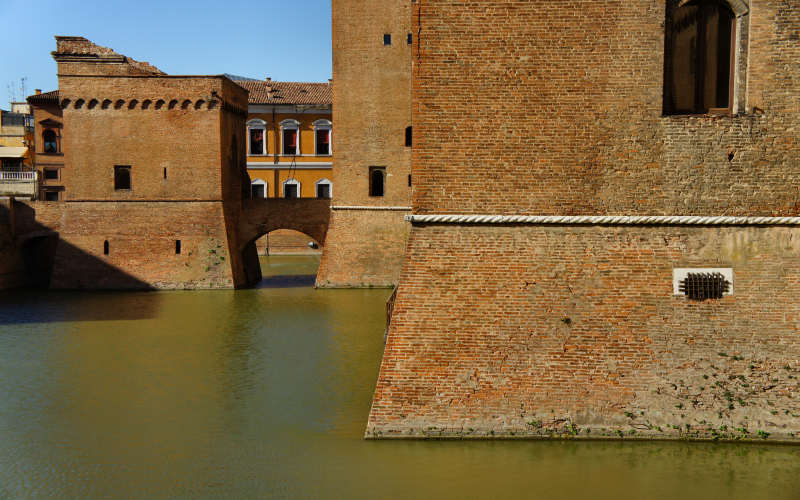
(291, 188)
(323, 188)
(258, 189)
(257, 137)
(290, 137)
(50, 140)
(699, 57)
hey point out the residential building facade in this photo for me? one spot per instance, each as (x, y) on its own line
(289, 150)
(47, 144)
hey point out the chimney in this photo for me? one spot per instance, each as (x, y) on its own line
(38, 91)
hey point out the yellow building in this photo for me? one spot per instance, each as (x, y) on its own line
(289, 148)
(16, 135)
(289, 139)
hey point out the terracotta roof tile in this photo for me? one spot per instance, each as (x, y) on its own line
(272, 92)
(44, 96)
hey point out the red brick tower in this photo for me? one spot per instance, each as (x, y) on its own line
(372, 160)
(154, 166)
(605, 231)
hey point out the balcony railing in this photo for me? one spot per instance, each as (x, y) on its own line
(21, 184)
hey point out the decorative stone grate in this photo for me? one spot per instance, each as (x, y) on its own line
(702, 286)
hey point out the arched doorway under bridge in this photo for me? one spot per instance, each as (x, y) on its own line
(294, 221)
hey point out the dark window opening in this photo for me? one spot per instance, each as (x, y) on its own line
(409, 136)
(291, 191)
(51, 196)
(323, 142)
(50, 141)
(387, 39)
(377, 178)
(257, 191)
(409, 39)
(256, 141)
(122, 177)
(105, 248)
(323, 190)
(409, 180)
(290, 141)
(702, 286)
(177, 247)
(51, 174)
(699, 58)
(165, 173)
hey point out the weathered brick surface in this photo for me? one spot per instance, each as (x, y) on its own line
(372, 108)
(142, 249)
(363, 249)
(183, 139)
(559, 111)
(528, 330)
(543, 330)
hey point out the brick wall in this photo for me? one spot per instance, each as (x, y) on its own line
(528, 330)
(540, 330)
(372, 108)
(363, 249)
(182, 138)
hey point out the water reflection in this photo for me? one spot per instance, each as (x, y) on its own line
(265, 392)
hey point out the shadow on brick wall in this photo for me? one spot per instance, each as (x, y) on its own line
(44, 255)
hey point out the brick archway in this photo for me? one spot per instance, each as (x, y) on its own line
(307, 215)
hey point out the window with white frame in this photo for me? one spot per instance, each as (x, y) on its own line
(322, 138)
(258, 189)
(323, 188)
(290, 137)
(256, 137)
(291, 188)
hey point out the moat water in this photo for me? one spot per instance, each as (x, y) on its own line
(265, 393)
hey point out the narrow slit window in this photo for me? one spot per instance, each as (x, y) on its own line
(377, 179)
(410, 39)
(409, 180)
(387, 39)
(165, 173)
(105, 248)
(409, 136)
(177, 247)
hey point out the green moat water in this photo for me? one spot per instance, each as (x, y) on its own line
(265, 393)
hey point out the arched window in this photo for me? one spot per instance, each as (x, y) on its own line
(323, 188)
(291, 188)
(257, 137)
(377, 179)
(258, 189)
(290, 137)
(699, 57)
(50, 141)
(322, 138)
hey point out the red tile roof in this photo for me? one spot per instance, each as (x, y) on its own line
(271, 92)
(44, 97)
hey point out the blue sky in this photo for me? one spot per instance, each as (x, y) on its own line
(285, 40)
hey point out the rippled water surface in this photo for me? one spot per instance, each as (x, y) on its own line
(265, 393)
